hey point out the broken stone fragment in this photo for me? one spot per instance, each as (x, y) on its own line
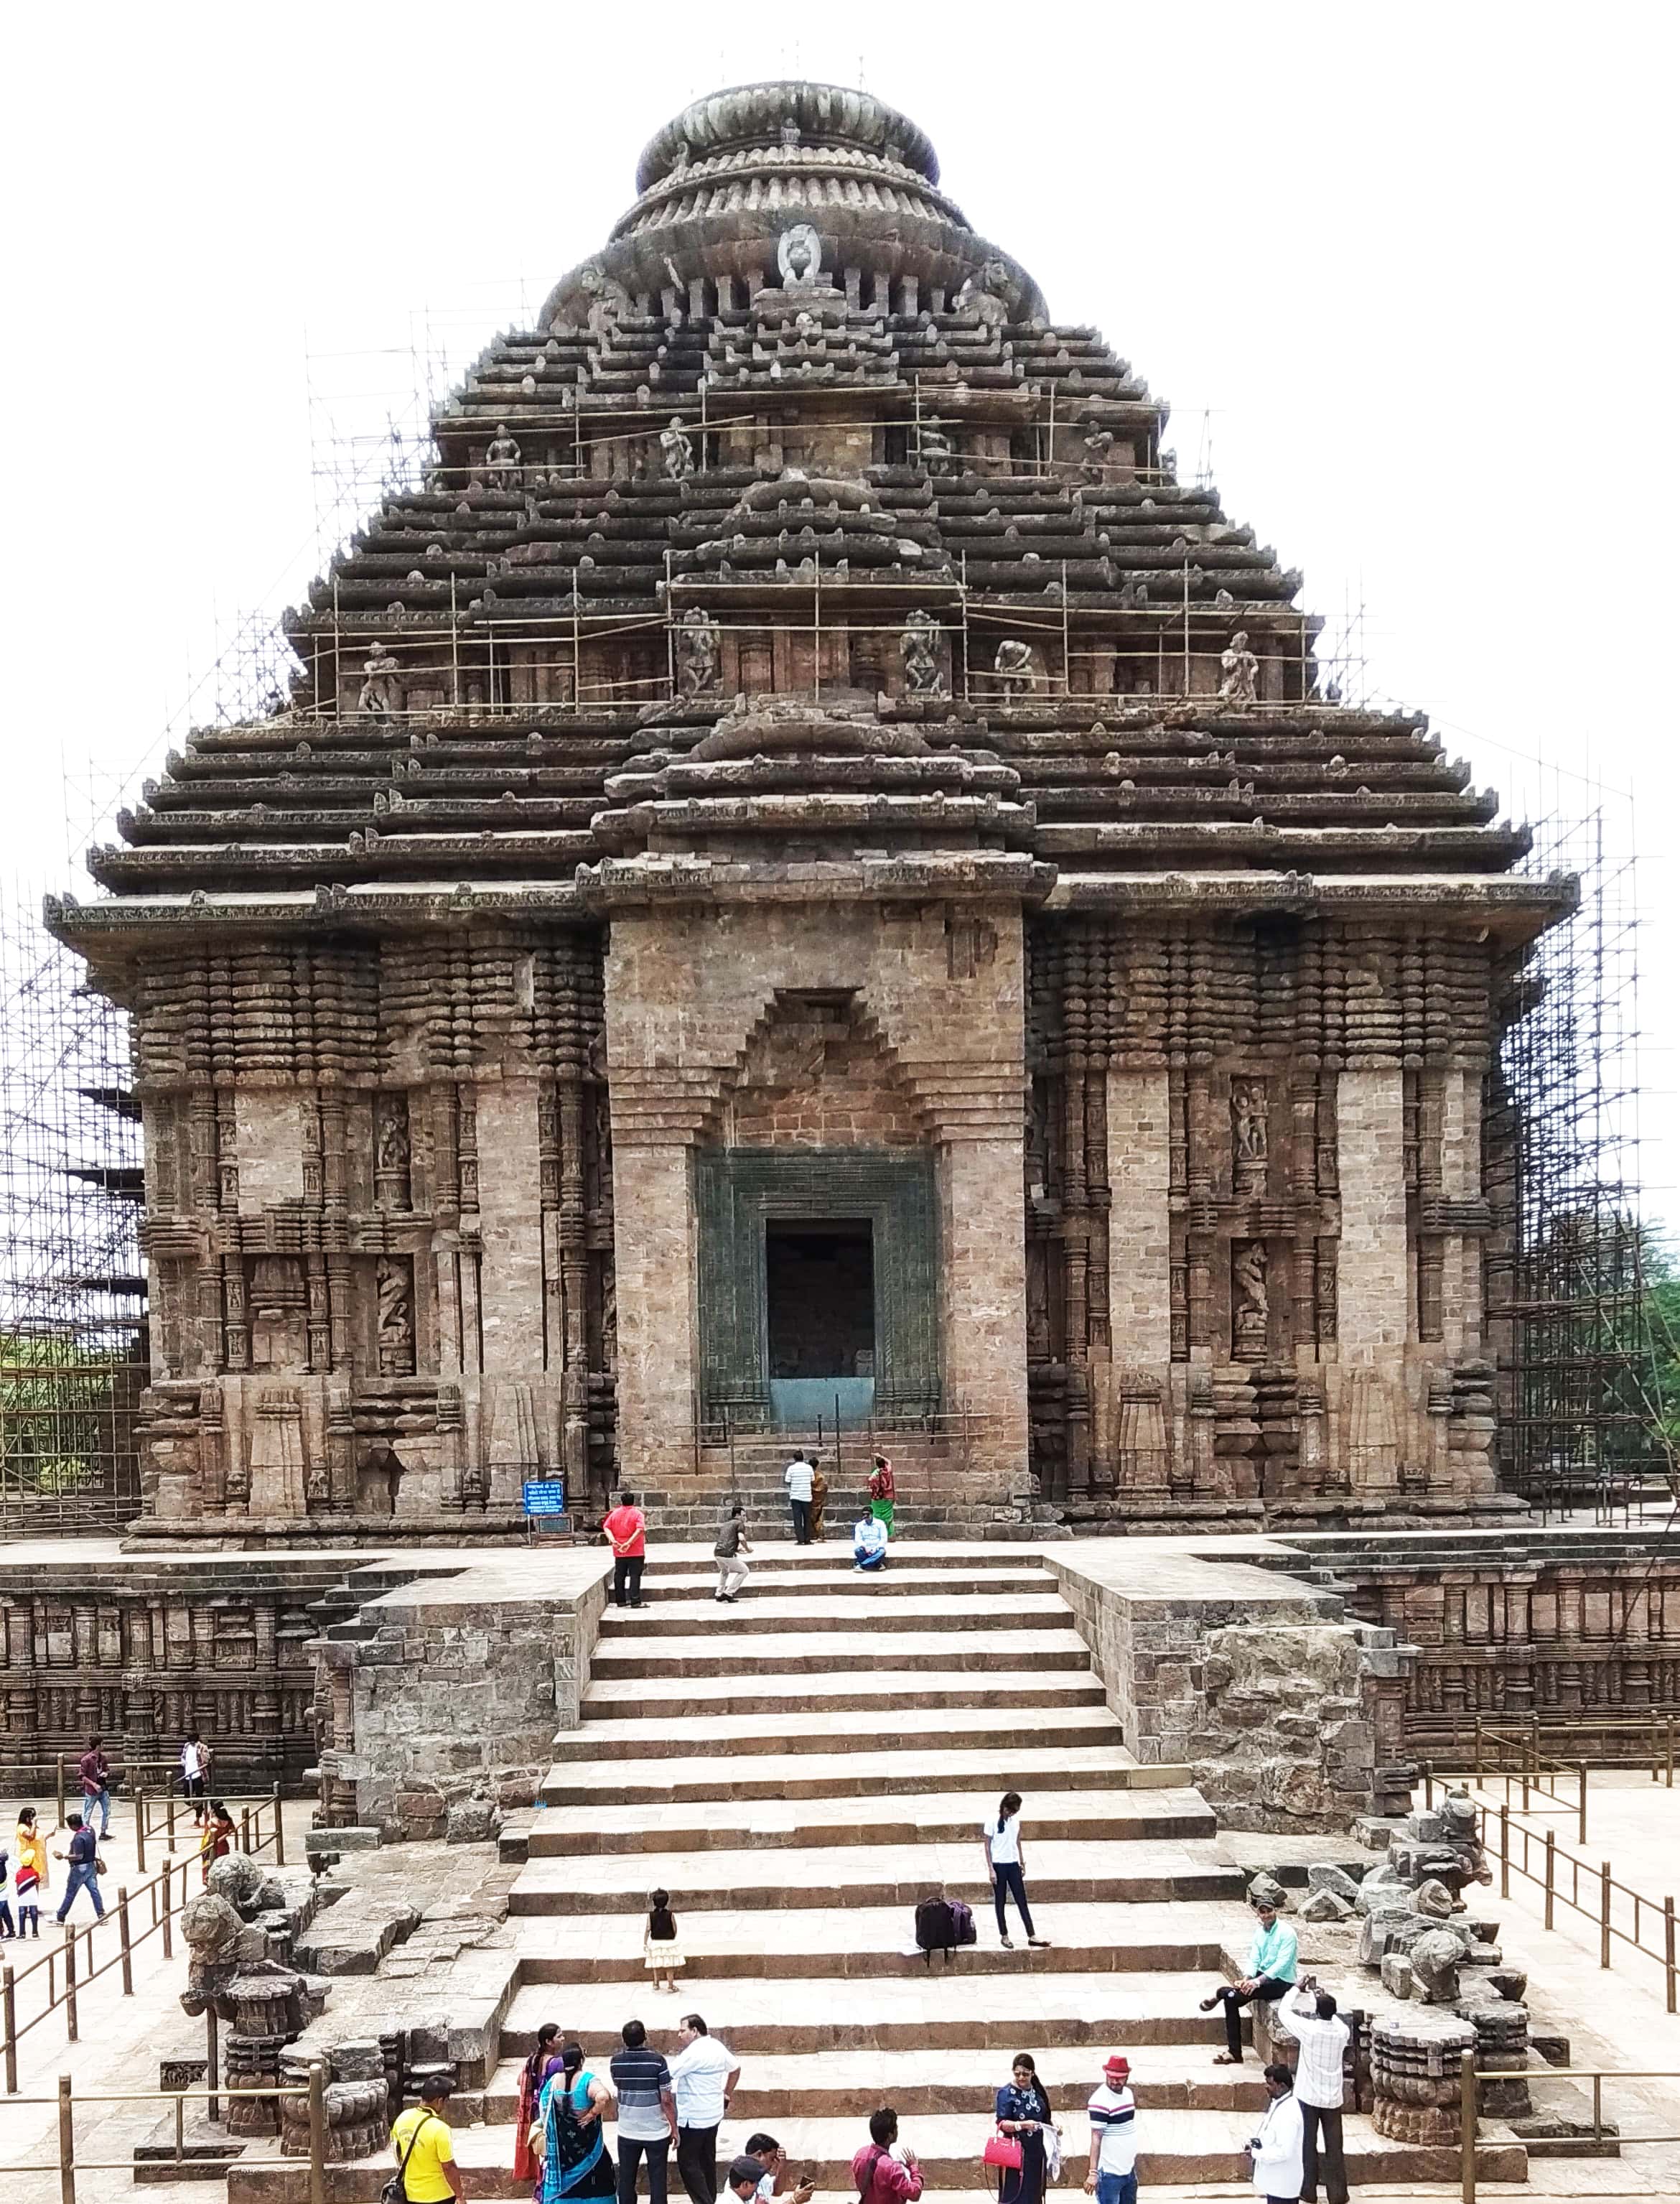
(1397, 1973)
(1434, 1967)
(1325, 1905)
(1327, 1877)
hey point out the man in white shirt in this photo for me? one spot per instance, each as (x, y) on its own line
(1111, 2171)
(1310, 2018)
(869, 1544)
(797, 1478)
(703, 2074)
(1274, 2153)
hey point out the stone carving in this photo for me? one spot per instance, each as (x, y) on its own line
(1248, 1136)
(918, 647)
(1238, 669)
(609, 302)
(1098, 443)
(696, 653)
(985, 293)
(676, 450)
(394, 1285)
(381, 690)
(1416, 2059)
(502, 469)
(1016, 667)
(391, 1152)
(211, 1928)
(799, 256)
(934, 445)
(279, 1484)
(1250, 1304)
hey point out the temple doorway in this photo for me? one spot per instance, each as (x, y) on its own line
(819, 1311)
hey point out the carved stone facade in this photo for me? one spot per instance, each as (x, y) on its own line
(739, 823)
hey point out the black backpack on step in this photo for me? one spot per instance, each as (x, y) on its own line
(936, 1929)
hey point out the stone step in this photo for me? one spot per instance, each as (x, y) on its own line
(849, 1775)
(1165, 2076)
(906, 1578)
(842, 1609)
(694, 1700)
(985, 1999)
(1106, 1870)
(934, 1817)
(949, 1556)
(794, 1730)
(874, 1940)
(821, 1653)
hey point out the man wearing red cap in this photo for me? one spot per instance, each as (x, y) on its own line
(1111, 2175)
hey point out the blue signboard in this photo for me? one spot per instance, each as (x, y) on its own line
(545, 1496)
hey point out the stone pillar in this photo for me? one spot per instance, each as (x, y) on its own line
(653, 1245)
(1139, 1235)
(983, 1313)
(1372, 1295)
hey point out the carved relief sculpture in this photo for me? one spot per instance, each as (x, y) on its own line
(394, 1285)
(1248, 1136)
(1250, 1305)
(390, 1153)
(799, 256)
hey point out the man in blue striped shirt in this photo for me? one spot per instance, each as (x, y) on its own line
(647, 2113)
(1111, 2175)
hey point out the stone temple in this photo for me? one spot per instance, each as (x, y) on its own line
(807, 877)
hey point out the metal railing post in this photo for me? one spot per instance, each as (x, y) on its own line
(1551, 1856)
(1580, 1777)
(1505, 1851)
(1429, 1772)
(70, 1984)
(1604, 1913)
(1668, 1949)
(1467, 2125)
(244, 1829)
(169, 1892)
(61, 1789)
(67, 2143)
(317, 2132)
(279, 1832)
(9, 2015)
(123, 1939)
(169, 1820)
(1478, 1747)
(213, 2050)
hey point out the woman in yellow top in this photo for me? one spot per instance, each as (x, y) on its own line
(31, 1872)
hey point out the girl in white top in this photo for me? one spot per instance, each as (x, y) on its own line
(1006, 1864)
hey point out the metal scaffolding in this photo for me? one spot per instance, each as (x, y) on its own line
(1576, 1328)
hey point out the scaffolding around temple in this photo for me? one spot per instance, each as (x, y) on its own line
(73, 1286)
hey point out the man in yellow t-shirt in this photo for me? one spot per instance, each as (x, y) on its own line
(430, 2175)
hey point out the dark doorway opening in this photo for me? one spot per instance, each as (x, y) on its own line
(819, 1295)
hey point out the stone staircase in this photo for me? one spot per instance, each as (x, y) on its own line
(924, 1468)
(797, 1771)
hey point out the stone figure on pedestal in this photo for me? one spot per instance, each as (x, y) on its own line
(799, 256)
(1248, 1136)
(1238, 666)
(1249, 1302)
(1014, 666)
(918, 647)
(502, 470)
(676, 450)
(381, 690)
(697, 652)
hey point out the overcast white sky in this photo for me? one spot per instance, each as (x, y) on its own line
(1410, 267)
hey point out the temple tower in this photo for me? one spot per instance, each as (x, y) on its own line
(804, 872)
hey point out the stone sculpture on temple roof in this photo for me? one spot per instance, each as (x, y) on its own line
(697, 652)
(381, 690)
(1016, 667)
(1238, 669)
(799, 256)
(676, 449)
(502, 470)
(919, 647)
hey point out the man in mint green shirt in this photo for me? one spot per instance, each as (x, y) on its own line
(1271, 1971)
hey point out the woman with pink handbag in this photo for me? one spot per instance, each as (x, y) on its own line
(1024, 2127)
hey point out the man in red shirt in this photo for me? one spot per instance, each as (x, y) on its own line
(626, 1528)
(876, 2175)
